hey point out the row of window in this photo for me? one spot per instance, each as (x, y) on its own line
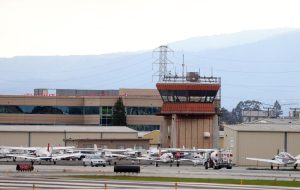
(144, 127)
(142, 110)
(203, 96)
(72, 110)
(196, 99)
(76, 110)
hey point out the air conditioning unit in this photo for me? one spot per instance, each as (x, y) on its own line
(192, 76)
(206, 134)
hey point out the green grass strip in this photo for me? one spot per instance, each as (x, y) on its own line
(196, 180)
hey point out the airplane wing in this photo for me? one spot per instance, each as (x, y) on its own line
(61, 156)
(194, 161)
(265, 160)
(37, 158)
(24, 157)
(62, 147)
(188, 159)
(142, 159)
(19, 148)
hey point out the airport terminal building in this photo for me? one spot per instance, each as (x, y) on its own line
(82, 107)
(78, 117)
(185, 112)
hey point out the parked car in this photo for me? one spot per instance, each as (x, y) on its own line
(94, 160)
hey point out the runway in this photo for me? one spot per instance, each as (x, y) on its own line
(45, 177)
(18, 183)
(164, 170)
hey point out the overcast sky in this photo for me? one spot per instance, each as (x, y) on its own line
(83, 27)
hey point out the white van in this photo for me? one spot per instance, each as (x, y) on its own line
(94, 160)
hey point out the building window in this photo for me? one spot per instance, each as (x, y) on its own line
(106, 116)
(68, 110)
(91, 110)
(188, 96)
(142, 110)
(144, 127)
(106, 110)
(106, 120)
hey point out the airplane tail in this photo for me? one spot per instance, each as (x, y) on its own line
(49, 148)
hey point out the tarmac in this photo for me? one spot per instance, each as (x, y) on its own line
(67, 168)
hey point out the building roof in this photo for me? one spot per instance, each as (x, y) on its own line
(269, 125)
(124, 139)
(63, 128)
(276, 121)
(138, 92)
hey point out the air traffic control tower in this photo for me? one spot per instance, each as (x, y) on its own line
(190, 108)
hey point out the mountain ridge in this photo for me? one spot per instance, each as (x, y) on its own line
(256, 70)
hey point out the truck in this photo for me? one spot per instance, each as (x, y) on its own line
(94, 160)
(218, 159)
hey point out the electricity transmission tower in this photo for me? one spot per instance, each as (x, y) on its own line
(162, 61)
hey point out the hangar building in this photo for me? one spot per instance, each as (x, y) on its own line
(262, 139)
(79, 136)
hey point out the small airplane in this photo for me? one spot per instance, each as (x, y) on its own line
(283, 158)
(165, 157)
(4, 152)
(42, 153)
(195, 157)
(110, 155)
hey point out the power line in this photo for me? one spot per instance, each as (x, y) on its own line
(214, 57)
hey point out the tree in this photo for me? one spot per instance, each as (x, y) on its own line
(225, 116)
(277, 109)
(249, 105)
(119, 116)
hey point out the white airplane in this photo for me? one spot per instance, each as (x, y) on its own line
(166, 157)
(195, 157)
(42, 153)
(283, 158)
(4, 152)
(110, 155)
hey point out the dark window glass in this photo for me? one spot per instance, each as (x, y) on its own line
(75, 110)
(106, 120)
(64, 109)
(27, 109)
(72, 110)
(142, 110)
(91, 110)
(188, 96)
(46, 110)
(144, 127)
(106, 110)
(10, 109)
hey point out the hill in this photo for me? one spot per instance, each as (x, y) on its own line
(260, 65)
